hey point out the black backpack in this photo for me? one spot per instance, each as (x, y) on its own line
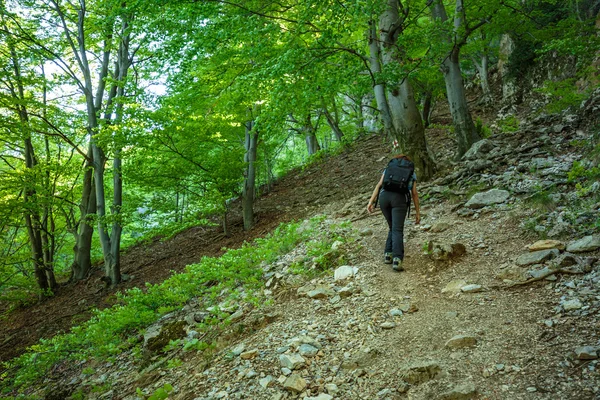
(398, 174)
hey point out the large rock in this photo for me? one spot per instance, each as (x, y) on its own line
(494, 196)
(546, 245)
(537, 257)
(445, 252)
(159, 335)
(479, 150)
(294, 383)
(420, 372)
(588, 243)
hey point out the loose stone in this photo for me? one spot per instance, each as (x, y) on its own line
(295, 383)
(586, 353)
(291, 361)
(461, 341)
(247, 355)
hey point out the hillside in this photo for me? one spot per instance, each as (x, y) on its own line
(452, 326)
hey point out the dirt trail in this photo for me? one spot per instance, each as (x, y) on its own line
(517, 355)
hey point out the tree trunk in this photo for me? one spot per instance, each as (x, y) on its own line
(427, 109)
(333, 124)
(82, 262)
(31, 197)
(406, 120)
(465, 131)
(310, 135)
(483, 70)
(379, 83)
(226, 231)
(464, 128)
(250, 175)
(510, 91)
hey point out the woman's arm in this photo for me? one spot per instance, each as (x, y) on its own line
(374, 195)
(415, 197)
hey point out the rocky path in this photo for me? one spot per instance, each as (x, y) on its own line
(446, 329)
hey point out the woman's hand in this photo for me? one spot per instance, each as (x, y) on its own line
(370, 208)
(418, 218)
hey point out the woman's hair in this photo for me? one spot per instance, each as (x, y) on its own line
(403, 156)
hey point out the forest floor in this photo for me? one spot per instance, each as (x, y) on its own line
(522, 342)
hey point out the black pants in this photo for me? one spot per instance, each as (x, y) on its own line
(394, 207)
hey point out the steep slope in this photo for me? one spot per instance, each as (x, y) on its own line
(300, 194)
(452, 326)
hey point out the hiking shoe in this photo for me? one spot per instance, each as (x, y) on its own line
(387, 258)
(397, 265)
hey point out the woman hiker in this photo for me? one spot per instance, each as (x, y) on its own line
(395, 189)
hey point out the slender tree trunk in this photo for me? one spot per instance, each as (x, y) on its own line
(250, 175)
(464, 128)
(483, 70)
(427, 108)
(379, 83)
(31, 197)
(333, 124)
(82, 262)
(226, 231)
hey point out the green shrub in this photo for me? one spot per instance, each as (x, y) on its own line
(107, 333)
(509, 124)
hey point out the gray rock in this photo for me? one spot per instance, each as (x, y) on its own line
(306, 350)
(388, 325)
(267, 381)
(321, 292)
(396, 312)
(537, 257)
(292, 361)
(440, 227)
(331, 388)
(345, 272)
(479, 149)
(471, 288)
(160, 334)
(420, 372)
(322, 396)
(454, 286)
(294, 383)
(569, 305)
(239, 349)
(588, 243)
(461, 341)
(445, 252)
(366, 232)
(465, 391)
(586, 353)
(494, 196)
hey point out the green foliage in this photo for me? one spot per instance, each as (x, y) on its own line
(107, 332)
(580, 172)
(160, 394)
(509, 124)
(482, 130)
(563, 95)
